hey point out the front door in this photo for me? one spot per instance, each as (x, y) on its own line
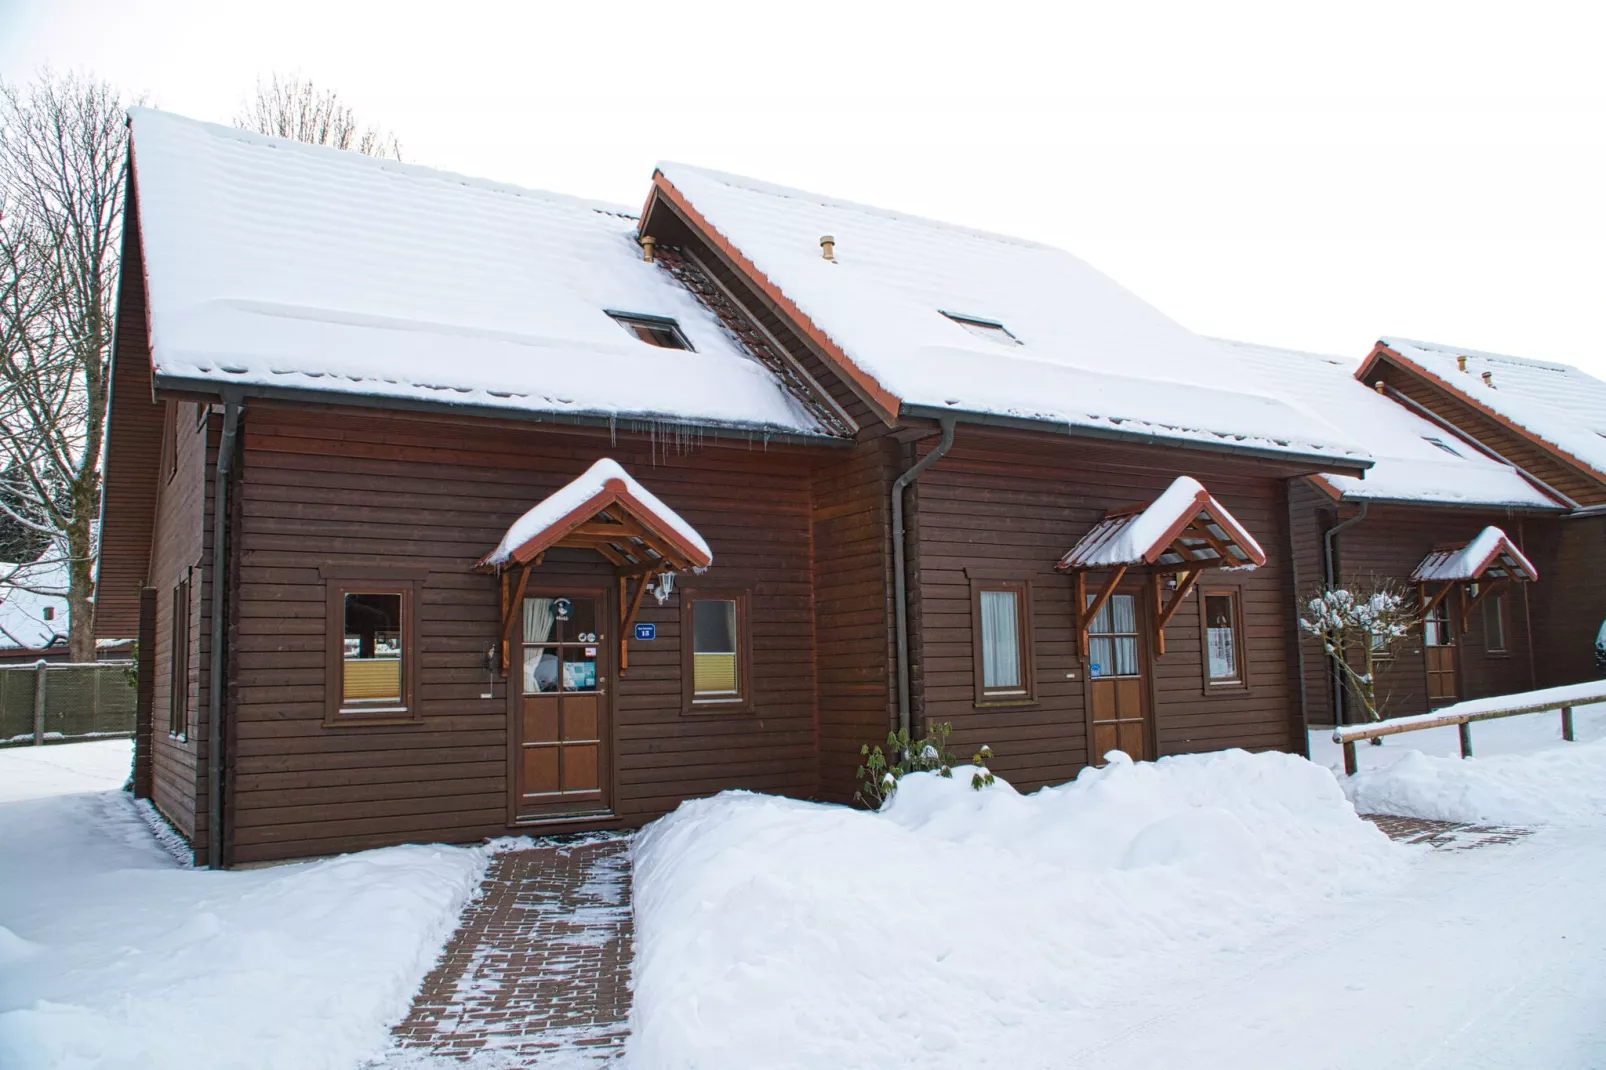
(1118, 688)
(1438, 646)
(561, 748)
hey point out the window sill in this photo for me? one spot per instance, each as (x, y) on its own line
(1002, 702)
(372, 718)
(1497, 655)
(716, 707)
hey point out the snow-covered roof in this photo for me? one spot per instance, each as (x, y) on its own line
(1490, 554)
(1085, 352)
(277, 264)
(1184, 526)
(604, 488)
(22, 605)
(1555, 403)
(1417, 460)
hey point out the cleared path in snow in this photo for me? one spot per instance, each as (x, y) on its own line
(1488, 958)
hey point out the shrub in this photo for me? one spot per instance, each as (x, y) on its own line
(878, 777)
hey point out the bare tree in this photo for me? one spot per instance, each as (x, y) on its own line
(63, 154)
(1365, 623)
(293, 107)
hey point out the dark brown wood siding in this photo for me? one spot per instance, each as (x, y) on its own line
(331, 487)
(1002, 505)
(1569, 601)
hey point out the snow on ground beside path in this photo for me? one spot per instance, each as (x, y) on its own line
(113, 956)
(970, 929)
(1523, 772)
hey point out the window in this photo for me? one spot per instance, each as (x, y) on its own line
(372, 652)
(1112, 637)
(178, 684)
(1001, 619)
(654, 330)
(991, 330)
(50, 613)
(717, 677)
(1439, 442)
(1436, 628)
(1222, 630)
(561, 644)
(1494, 624)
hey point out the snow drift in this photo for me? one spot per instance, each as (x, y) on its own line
(828, 937)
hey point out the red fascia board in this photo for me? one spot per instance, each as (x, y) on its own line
(886, 404)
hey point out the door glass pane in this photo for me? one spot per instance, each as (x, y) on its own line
(541, 672)
(1220, 637)
(1101, 657)
(1124, 614)
(714, 659)
(577, 619)
(1101, 620)
(580, 668)
(1112, 637)
(1126, 656)
(1000, 640)
(1436, 629)
(372, 648)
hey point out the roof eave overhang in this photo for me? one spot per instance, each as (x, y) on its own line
(1314, 462)
(1482, 507)
(200, 389)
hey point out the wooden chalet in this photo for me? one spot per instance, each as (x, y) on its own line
(446, 509)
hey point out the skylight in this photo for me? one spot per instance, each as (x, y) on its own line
(991, 330)
(1439, 442)
(654, 330)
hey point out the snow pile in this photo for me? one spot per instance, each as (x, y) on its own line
(561, 504)
(822, 936)
(116, 957)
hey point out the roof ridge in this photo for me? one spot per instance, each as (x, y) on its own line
(1482, 354)
(775, 189)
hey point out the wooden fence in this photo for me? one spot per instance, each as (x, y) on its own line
(53, 702)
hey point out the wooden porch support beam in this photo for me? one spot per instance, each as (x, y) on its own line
(1429, 603)
(1163, 612)
(1081, 613)
(1484, 591)
(511, 607)
(627, 617)
(1098, 603)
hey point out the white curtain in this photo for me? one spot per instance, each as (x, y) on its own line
(538, 618)
(1000, 640)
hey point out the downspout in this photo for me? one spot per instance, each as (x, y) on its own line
(214, 720)
(1299, 654)
(900, 584)
(1527, 612)
(1330, 578)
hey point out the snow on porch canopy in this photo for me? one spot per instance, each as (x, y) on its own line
(1491, 556)
(605, 510)
(1185, 530)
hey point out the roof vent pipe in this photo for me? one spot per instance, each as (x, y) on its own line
(1378, 386)
(647, 244)
(828, 246)
(1461, 364)
(1488, 380)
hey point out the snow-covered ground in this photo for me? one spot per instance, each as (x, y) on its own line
(113, 955)
(1522, 772)
(1220, 910)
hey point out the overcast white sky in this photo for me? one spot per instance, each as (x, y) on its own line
(1300, 175)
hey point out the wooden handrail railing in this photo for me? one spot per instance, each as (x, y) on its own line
(1462, 714)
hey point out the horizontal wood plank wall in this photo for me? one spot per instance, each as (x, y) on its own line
(1518, 449)
(329, 486)
(1569, 602)
(1015, 504)
(1390, 542)
(134, 446)
(178, 542)
(852, 610)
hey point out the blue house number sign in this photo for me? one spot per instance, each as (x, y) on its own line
(646, 631)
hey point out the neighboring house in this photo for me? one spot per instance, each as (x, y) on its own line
(1548, 420)
(539, 516)
(32, 624)
(1431, 489)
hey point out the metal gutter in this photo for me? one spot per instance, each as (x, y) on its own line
(214, 720)
(1321, 462)
(213, 388)
(1330, 579)
(900, 584)
(1422, 503)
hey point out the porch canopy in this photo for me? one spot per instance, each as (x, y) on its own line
(1491, 561)
(605, 510)
(1184, 531)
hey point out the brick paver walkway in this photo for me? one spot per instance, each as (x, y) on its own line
(1445, 835)
(538, 972)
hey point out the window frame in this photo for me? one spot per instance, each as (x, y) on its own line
(1495, 603)
(742, 701)
(338, 584)
(632, 320)
(1240, 683)
(992, 698)
(991, 330)
(179, 634)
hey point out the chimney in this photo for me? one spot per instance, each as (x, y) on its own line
(828, 246)
(1488, 380)
(1378, 386)
(647, 244)
(1461, 364)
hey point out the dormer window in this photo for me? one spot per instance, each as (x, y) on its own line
(991, 330)
(1439, 442)
(654, 330)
